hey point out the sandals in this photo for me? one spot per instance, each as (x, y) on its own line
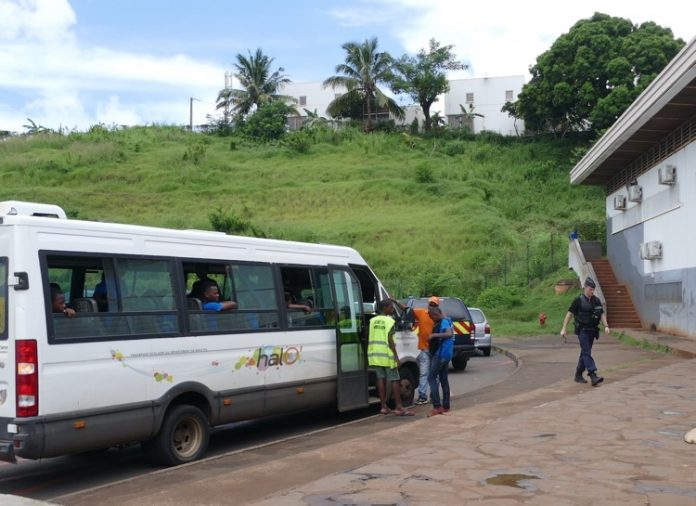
(384, 411)
(404, 412)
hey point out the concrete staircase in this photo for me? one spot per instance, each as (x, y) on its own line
(620, 310)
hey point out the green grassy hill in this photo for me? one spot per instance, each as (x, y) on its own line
(476, 217)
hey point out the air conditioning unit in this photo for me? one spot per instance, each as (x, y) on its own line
(651, 250)
(667, 174)
(635, 193)
(620, 202)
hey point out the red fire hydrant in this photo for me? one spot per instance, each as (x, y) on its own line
(542, 318)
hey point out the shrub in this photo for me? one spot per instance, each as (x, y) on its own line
(229, 223)
(268, 122)
(424, 173)
(299, 142)
(499, 297)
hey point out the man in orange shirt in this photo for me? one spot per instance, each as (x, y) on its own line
(424, 327)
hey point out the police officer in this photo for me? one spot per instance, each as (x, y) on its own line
(588, 311)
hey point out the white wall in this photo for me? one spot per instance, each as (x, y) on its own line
(318, 97)
(663, 290)
(489, 98)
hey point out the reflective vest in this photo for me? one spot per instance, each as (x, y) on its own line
(378, 351)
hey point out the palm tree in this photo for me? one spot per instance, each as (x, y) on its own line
(260, 86)
(468, 117)
(363, 69)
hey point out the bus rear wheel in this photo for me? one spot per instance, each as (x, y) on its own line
(182, 438)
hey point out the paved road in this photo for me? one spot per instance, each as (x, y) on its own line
(545, 375)
(60, 476)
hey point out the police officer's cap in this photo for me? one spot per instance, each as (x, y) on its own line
(590, 282)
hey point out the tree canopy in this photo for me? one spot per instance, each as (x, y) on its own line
(423, 77)
(363, 70)
(591, 74)
(260, 84)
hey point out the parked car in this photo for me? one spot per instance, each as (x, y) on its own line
(482, 332)
(463, 326)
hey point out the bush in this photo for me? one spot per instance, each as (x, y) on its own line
(424, 173)
(499, 297)
(230, 223)
(299, 142)
(268, 122)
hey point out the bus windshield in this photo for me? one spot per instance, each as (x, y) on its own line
(3, 298)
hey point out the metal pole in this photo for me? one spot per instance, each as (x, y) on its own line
(527, 264)
(191, 114)
(553, 266)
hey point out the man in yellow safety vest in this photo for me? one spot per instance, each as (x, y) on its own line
(382, 357)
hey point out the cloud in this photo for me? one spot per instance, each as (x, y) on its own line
(505, 37)
(79, 86)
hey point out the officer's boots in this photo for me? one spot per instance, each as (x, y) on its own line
(596, 380)
(578, 376)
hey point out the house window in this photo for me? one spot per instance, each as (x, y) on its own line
(469, 98)
(508, 95)
(303, 100)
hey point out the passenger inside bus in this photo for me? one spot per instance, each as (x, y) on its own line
(99, 294)
(292, 305)
(210, 297)
(197, 287)
(58, 301)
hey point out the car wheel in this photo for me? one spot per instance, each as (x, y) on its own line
(182, 438)
(486, 351)
(409, 384)
(459, 363)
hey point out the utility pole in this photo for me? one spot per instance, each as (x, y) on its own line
(191, 114)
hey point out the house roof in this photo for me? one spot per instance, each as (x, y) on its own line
(668, 102)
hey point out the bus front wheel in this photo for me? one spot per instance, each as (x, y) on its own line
(409, 384)
(182, 438)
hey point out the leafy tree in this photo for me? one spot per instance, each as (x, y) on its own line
(268, 123)
(592, 73)
(363, 70)
(260, 84)
(423, 77)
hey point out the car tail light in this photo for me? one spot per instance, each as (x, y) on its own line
(487, 329)
(27, 384)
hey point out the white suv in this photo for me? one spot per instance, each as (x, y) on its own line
(483, 330)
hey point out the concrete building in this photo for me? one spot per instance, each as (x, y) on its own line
(485, 96)
(647, 163)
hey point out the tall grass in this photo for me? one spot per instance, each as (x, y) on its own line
(452, 215)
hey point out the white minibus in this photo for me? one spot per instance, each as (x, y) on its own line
(106, 337)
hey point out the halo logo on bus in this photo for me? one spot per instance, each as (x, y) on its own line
(271, 356)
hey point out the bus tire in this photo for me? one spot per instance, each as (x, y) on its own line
(409, 385)
(182, 438)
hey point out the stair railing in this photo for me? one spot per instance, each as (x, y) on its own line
(583, 269)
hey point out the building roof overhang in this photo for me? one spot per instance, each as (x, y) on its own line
(668, 102)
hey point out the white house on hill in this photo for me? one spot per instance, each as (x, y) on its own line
(647, 163)
(485, 96)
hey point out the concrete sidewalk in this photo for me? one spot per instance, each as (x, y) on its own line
(620, 443)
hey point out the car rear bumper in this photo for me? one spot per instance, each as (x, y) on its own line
(483, 342)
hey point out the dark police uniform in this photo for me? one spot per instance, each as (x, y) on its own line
(588, 314)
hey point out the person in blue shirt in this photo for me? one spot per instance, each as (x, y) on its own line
(210, 298)
(441, 343)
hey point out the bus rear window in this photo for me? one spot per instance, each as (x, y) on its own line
(3, 298)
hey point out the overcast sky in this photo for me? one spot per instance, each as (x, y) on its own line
(75, 63)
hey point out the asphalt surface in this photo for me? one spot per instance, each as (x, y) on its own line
(293, 470)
